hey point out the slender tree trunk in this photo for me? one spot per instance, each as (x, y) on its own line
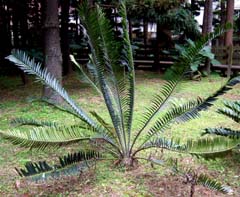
(52, 48)
(229, 18)
(17, 19)
(207, 26)
(223, 20)
(24, 24)
(15, 25)
(5, 36)
(65, 5)
(207, 17)
(229, 34)
(145, 31)
(157, 49)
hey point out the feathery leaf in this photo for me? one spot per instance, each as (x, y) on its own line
(31, 67)
(223, 132)
(70, 164)
(32, 122)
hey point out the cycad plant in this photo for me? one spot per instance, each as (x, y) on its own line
(110, 71)
(231, 110)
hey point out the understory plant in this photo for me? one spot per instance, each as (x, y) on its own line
(110, 71)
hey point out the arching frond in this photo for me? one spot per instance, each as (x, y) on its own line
(177, 70)
(176, 113)
(126, 88)
(187, 111)
(191, 54)
(158, 102)
(45, 137)
(164, 143)
(156, 105)
(232, 110)
(32, 122)
(31, 67)
(70, 164)
(223, 132)
(85, 76)
(104, 59)
(213, 184)
(211, 147)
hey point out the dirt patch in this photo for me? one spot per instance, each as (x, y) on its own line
(171, 185)
(68, 185)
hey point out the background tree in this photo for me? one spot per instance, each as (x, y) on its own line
(229, 18)
(65, 6)
(5, 33)
(222, 19)
(52, 48)
(207, 17)
(207, 25)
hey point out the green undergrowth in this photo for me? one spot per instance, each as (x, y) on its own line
(17, 100)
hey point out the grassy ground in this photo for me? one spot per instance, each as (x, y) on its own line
(107, 180)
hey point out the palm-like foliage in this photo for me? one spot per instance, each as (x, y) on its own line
(231, 110)
(69, 164)
(111, 72)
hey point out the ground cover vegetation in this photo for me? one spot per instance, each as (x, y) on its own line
(117, 89)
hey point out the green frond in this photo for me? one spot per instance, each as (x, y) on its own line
(31, 67)
(204, 104)
(191, 54)
(177, 70)
(223, 132)
(177, 113)
(45, 137)
(208, 102)
(211, 147)
(187, 111)
(232, 110)
(84, 75)
(70, 164)
(72, 158)
(157, 104)
(32, 122)
(97, 29)
(112, 58)
(213, 184)
(127, 91)
(34, 168)
(169, 144)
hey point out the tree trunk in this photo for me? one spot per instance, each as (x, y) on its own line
(229, 18)
(229, 34)
(207, 26)
(23, 22)
(15, 25)
(207, 17)
(223, 21)
(52, 49)
(5, 35)
(65, 5)
(157, 49)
